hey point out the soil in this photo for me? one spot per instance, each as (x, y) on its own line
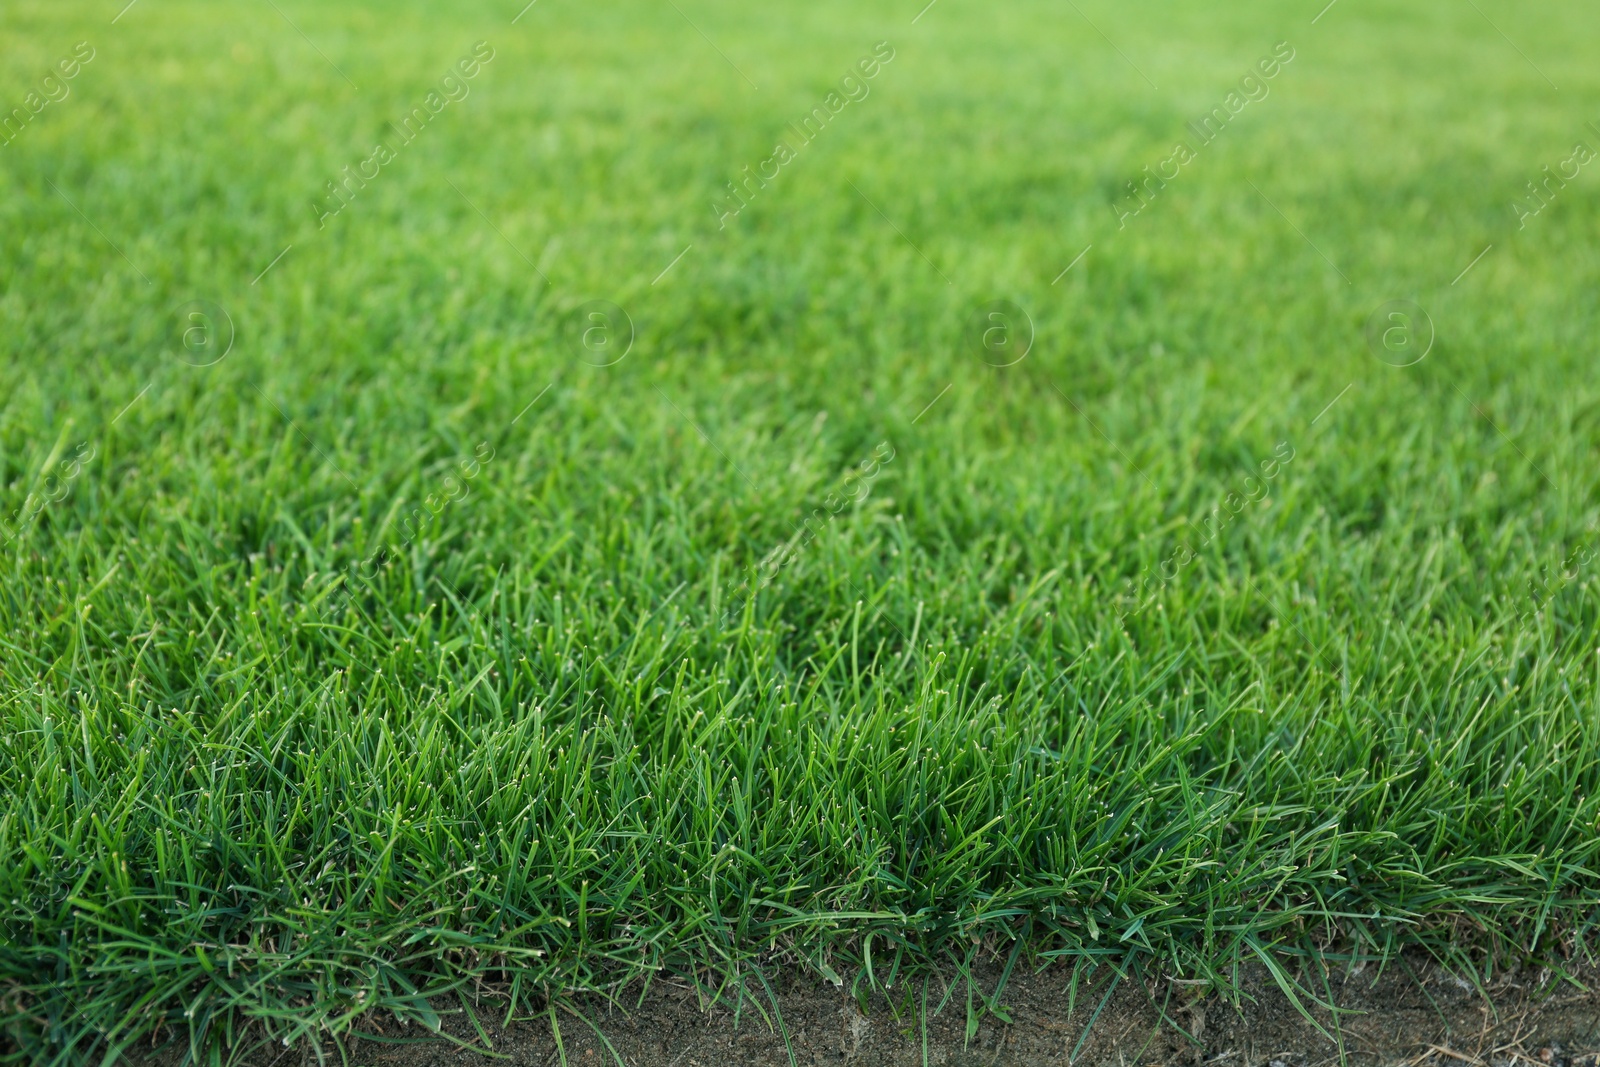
(1414, 1014)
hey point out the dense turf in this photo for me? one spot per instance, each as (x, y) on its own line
(417, 640)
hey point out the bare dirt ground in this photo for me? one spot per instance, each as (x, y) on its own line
(1415, 1014)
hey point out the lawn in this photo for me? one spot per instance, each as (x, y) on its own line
(527, 501)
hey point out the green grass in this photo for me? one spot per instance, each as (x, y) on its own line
(280, 749)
